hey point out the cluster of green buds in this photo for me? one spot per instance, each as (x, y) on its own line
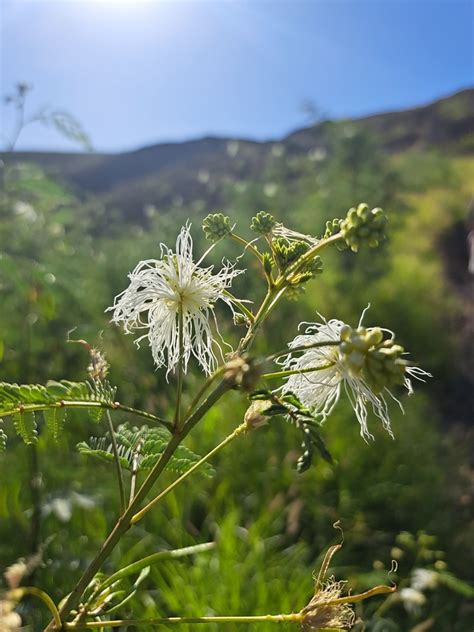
(263, 223)
(363, 226)
(287, 252)
(216, 226)
(332, 228)
(380, 361)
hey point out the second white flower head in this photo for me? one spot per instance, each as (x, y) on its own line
(322, 370)
(174, 298)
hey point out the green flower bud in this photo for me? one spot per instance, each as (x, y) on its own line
(363, 226)
(263, 223)
(333, 227)
(216, 226)
(379, 361)
(267, 262)
(287, 252)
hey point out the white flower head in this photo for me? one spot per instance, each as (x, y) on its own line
(171, 294)
(424, 579)
(412, 599)
(320, 389)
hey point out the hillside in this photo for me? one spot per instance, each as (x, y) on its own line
(176, 174)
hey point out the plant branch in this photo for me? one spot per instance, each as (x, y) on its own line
(177, 414)
(240, 305)
(295, 617)
(18, 593)
(237, 432)
(86, 404)
(136, 567)
(314, 345)
(248, 246)
(118, 466)
(124, 521)
(288, 274)
(270, 376)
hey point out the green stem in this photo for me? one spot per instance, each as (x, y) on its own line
(295, 617)
(204, 388)
(123, 502)
(240, 305)
(124, 521)
(136, 567)
(87, 404)
(271, 376)
(248, 246)
(314, 345)
(19, 593)
(238, 431)
(310, 254)
(262, 313)
(177, 414)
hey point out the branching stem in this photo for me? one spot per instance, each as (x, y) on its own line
(87, 404)
(238, 431)
(118, 466)
(271, 376)
(295, 617)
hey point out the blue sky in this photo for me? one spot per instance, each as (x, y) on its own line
(136, 73)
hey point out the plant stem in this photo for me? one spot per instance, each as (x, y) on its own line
(248, 246)
(240, 305)
(310, 254)
(270, 376)
(295, 617)
(87, 404)
(204, 388)
(314, 345)
(238, 431)
(136, 567)
(177, 414)
(18, 593)
(123, 502)
(123, 523)
(246, 342)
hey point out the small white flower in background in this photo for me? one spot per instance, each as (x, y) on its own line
(424, 579)
(320, 389)
(164, 291)
(412, 600)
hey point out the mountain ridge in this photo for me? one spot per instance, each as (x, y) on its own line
(189, 170)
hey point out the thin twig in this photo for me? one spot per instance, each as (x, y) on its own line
(118, 465)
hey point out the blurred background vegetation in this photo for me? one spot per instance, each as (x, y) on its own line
(71, 228)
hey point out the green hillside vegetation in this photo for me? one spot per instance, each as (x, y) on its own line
(65, 254)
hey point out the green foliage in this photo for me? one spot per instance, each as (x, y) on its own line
(21, 400)
(62, 261)
(140, 448)
(25, 425)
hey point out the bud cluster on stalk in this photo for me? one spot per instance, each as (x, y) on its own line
(363, 226)
(380, 361)
(216, 226)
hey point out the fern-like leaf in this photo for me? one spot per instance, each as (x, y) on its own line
(3, 438)
(16, 400)
(140, 449)
(25, 425)
(55, 419)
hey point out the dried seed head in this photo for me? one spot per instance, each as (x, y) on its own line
(98, 367)
(320, 613)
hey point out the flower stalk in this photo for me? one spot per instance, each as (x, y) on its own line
(118, 467)
(236, 433)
